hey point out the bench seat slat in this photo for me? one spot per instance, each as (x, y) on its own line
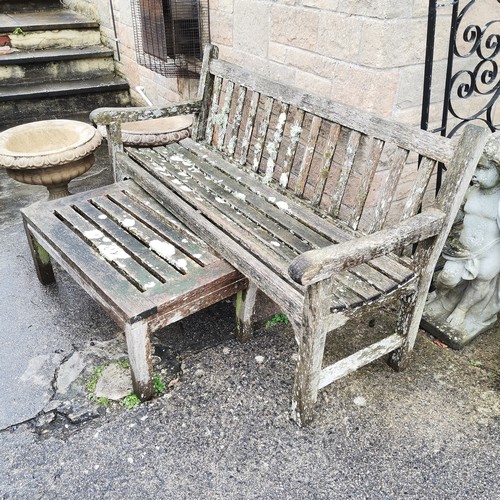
(109, 286)
(324, 232)
(285, 243)
(139, 248)
(234, 208)
(364, 271)
(301, 234)
(320, 225)
(109, 250)
(358, 286)
(171, 228)
(143, 233)
(374, 277)
(178, 259)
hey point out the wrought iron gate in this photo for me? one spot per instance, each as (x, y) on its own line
(472, 78)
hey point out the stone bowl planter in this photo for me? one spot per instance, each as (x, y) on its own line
(157, 131)
(49, 153)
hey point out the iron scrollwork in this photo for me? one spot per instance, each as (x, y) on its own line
(480, 45)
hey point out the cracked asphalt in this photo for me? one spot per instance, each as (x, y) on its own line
(222, 428)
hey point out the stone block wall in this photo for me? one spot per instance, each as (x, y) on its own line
(367, 54)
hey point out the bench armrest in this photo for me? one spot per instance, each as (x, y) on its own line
(316, 265)
(107, 116)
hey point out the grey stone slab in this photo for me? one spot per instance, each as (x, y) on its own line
(39, 56)
(115, 383)
(48, 20)
(65, 88)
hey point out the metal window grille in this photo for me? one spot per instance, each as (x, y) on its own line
(170, 35)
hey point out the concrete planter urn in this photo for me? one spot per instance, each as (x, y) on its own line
(49, 153)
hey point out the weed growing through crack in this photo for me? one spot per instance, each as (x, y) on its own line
(277, 319)
(103, 401)
(159, 385)
(94, 377)
(130, 401)
(475, 363)
(123, 363)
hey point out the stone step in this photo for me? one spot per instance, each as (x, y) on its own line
(29, 5)
(58, 102)
(59, 89)
(50, 29)
(64, 38)
(56, 19)
(56, 64)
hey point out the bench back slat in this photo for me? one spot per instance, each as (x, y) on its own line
(349, 154)
(263, 126)
(305, 165)
(418, 190)
(274, 144)
(249, 125)
(214, 107)
(388, 191)
(224, 117)
(291, 150)
(235, 126)
(333, 137)
(367, 173)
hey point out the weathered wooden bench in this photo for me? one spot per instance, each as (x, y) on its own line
(133, 257)
(312, 201)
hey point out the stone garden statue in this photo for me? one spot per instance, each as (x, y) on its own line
(467, 296)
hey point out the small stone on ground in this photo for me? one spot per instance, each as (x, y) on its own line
(114, 383)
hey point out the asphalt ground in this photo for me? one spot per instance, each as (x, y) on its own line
(222, 428)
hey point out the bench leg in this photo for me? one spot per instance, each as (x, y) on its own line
(311, 336)
(308, 371)
(139, 353)
(407, 325)
(245, 312)
(41, 259)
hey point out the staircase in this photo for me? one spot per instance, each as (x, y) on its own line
(53, 63)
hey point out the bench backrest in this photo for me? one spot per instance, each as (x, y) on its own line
(367, 171)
